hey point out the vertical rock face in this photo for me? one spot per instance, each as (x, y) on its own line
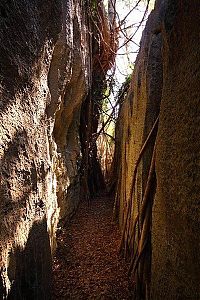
(43, 80)
(176, 215)
(139, 112)
(174, 27)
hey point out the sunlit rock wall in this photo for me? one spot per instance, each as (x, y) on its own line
(43, 80)
(176, 215)
(137, 115)
(175, 229)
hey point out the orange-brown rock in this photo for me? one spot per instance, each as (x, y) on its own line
(172, 27)
(43, 81)
(176, 213)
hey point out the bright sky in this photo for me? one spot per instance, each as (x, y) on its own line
(125, 63)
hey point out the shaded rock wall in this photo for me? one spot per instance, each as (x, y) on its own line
(173, 27)
(43, 80)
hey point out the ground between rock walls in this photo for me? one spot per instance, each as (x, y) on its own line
(87, 264)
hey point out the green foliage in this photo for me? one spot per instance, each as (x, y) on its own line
(127, 79)
(94, 6)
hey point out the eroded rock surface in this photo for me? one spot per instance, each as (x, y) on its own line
(173, 27)
(43, 81)
(176, 215)
(138, 114)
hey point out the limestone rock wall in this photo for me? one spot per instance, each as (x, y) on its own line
(43, 80)
(138, 113)
(176, 214)
(166, 79)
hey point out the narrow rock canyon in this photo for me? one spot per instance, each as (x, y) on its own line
(66, 230)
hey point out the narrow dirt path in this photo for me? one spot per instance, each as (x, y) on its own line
(87, 265)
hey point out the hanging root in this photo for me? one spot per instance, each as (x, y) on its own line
(136, 231)
(129, 205)
(138, 266)
(145, 216)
